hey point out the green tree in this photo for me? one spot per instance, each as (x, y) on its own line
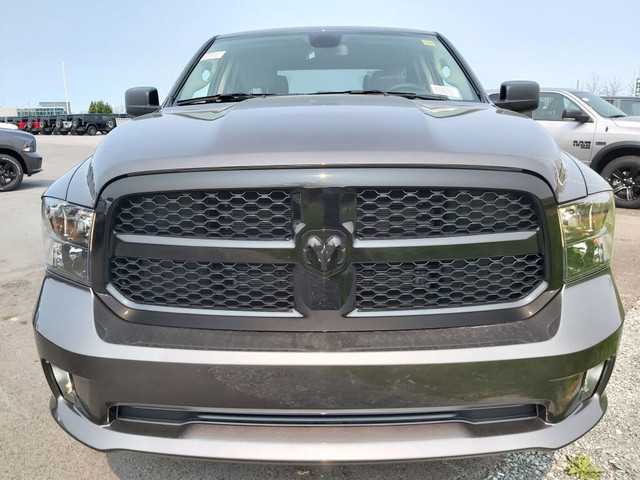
(100, 107)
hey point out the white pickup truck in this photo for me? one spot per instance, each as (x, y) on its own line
(598, 134)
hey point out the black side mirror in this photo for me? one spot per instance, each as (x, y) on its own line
(519, 96)
(141, 100)
(575, 114)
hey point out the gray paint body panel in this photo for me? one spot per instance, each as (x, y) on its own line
(327, 130)
(588, 332)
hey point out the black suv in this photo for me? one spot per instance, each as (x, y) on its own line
(92, 124)
(47, 125)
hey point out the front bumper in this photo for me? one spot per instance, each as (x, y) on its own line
(544, 373)
(33, 162)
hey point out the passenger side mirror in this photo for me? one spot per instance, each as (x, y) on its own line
(141, 100)
(575, 114)
(519, 96)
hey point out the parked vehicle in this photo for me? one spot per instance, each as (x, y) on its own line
(596, 133)
(63, 125)
(629, 105)
(328, 245)
(47, 125)
(33, 125)
(92, 124)
(18, 157)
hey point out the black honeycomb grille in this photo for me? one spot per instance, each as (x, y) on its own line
(431, 212)
(223, 214)
(447, 283)
(204, 285)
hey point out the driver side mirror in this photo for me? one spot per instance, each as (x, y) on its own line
(575, 114)
(141, 100)
(519, 96)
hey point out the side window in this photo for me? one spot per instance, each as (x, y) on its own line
(552, 105)
(630, 107)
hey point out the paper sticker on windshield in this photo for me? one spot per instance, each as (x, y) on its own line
(451, 92)
(213, 55)
(428, 43)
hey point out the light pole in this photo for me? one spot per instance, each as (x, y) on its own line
(64, 81)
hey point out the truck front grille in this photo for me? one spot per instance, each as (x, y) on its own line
(204, 285)
(222, 214)
(446, 283)
(431, 212)
(326, 249)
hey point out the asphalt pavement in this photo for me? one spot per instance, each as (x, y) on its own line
(32, 446)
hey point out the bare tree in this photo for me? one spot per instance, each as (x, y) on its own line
(631, 88)
(592, 84)
(611, 87)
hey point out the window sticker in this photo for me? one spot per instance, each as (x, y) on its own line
(213, 55)
(451, 92)
(428, 43)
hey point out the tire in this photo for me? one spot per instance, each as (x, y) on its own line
(11, 173)
(59, 124)
(91, 130)
(63, 132)
(111, 124)
(76, 122)
(623, 174)
(56, 130)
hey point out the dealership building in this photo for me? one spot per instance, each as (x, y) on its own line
(44, 109)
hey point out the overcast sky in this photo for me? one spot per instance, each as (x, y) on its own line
(110, 46)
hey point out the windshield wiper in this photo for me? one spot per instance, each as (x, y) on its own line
(617, 116)
(353, 92)
(223, 97)
(421, 96)
(409, 95)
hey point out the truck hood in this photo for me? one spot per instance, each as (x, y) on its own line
(627, 122)
(326, 130)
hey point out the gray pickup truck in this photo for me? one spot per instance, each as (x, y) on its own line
(328, 245)
(18, 157)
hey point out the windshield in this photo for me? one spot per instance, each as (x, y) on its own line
(327, 61)
(600, 105)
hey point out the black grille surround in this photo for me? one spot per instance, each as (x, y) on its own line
(204, 285)
(447, 283)
(431, 212)
(177, 416)
(388, 282)
(221, 214)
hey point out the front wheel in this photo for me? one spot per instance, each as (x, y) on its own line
(623, 174)
(11, 173)
(92, 130)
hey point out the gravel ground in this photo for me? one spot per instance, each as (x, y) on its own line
(613, 445)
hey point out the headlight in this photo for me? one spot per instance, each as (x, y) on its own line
(67, 238)
(29, 146)
(587, 229)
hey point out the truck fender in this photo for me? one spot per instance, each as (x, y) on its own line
(613, 151)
